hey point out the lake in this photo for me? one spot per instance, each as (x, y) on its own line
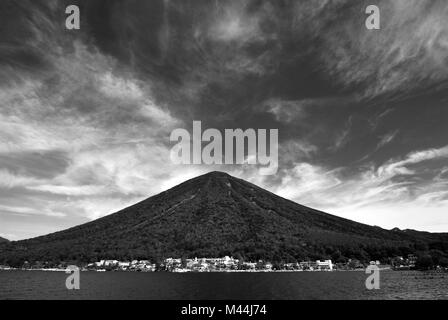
(213, 286)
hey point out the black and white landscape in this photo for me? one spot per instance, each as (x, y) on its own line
(217, 215)
(87, 116)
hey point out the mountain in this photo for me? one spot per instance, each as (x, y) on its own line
(215, 215)
(3, 240)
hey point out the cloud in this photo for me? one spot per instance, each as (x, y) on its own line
(9, 180)
(386, 139)
(70, 190)
(119, 88)
(297, 150)
(393, 167)
(9, 236)
(406, 56)
(85, 117)
(305, 179)
(31, 211)
(288, 111)
(233, 24)
(344, 136)
(100, 120)
(94, 208)
(379, 196)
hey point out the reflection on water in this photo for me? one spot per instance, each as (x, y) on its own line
(255, 286)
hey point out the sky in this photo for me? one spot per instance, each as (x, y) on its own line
(86, 115)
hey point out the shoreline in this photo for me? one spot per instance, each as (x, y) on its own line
(190, 271)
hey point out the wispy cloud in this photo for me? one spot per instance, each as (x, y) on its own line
(31, 211)
(391, 185)
(406, 55)
(386, 139)
(9, 180)
(85, 116)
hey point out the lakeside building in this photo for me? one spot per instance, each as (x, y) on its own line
(5, 267)
(142, 265)
(204, 264)
(124, 265)
(292, 266)
(222, 264)
(401, 263)
(324, 265)
(225, 264)
(308, 265)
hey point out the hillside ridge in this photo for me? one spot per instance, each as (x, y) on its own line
(217, 214)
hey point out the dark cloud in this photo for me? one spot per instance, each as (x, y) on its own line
(85, 115)
(46, 164)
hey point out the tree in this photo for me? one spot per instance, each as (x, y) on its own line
(424, 262)
(183, 262)
(260, 265)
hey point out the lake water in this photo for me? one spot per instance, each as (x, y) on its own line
(245, 286)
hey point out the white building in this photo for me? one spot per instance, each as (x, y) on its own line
(324, 265)
(124, 264)
(171, 261)
(100, 263)
(110, 263)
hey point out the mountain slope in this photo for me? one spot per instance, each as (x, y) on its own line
(3, 240)
(215, 215)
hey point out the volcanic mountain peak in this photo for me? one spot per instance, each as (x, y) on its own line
(216, 174)
(216, 178)
(215, 215)
(211, 187)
